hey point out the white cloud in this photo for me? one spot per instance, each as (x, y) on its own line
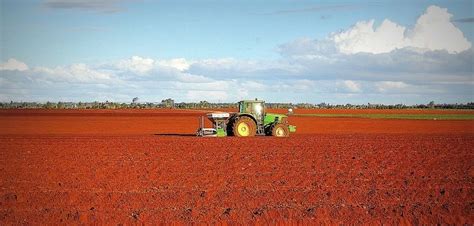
(136, 64)
(229, 64)
(435, 31)
(179, 64)
(221, 63)
(398, 76)
(162, 68)
(352, 86)
(76, 73)
(385, 86)
(432, 31)
(190, 78)
(13, 65)
(363, 38)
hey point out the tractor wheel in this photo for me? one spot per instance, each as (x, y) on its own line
(280, 130)
(244, 127)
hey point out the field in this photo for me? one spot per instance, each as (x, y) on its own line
(136, 166)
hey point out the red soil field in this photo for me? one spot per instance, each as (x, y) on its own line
(380, 111)
(363, 111)
(137, 166)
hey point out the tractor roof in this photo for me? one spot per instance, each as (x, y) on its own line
(252, 101)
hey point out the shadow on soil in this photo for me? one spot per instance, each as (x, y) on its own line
(175, 134)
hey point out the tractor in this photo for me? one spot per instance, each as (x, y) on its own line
(251, 120)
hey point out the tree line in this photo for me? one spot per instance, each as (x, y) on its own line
(170, 103)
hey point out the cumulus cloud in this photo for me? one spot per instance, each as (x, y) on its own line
(145, 66)
(431, 57)
(136, 76)
(76, 73)
(363, 38)
(352, 86)
(191, 78)
(432, 31)
(136, 64)
(398, 76)
(179, 64)
(385, 86)
(13, 65)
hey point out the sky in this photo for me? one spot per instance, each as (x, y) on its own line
(358, 52)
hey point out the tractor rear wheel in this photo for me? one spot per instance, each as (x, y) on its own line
(244, 127)
(280, 130)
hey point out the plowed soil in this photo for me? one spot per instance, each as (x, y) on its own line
(136, 166)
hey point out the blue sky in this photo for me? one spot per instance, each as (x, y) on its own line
(282, 51)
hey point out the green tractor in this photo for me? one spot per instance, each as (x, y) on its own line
(251, 120)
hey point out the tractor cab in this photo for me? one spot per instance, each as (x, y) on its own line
(256, 108)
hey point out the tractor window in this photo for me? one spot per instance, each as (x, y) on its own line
(245, 107)
(254, 108)
(248, 107)
(257, 109)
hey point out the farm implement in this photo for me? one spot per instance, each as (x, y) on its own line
(251, 120)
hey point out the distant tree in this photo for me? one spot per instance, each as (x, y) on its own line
(168, 103)
(60, 105)
(49, 105)
(431, 104)
(135, 100)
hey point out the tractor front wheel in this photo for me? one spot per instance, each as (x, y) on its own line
(280, 130)
(244, 127)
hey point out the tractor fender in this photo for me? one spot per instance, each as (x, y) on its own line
(248, 115)
(234, 117)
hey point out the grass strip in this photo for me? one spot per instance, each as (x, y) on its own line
(396, 116)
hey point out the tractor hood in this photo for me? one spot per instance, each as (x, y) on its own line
(271, 117)
(276, 115)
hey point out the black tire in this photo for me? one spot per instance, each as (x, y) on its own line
(280, 130)
(244, 127)
(268, 130)
(230, 125)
